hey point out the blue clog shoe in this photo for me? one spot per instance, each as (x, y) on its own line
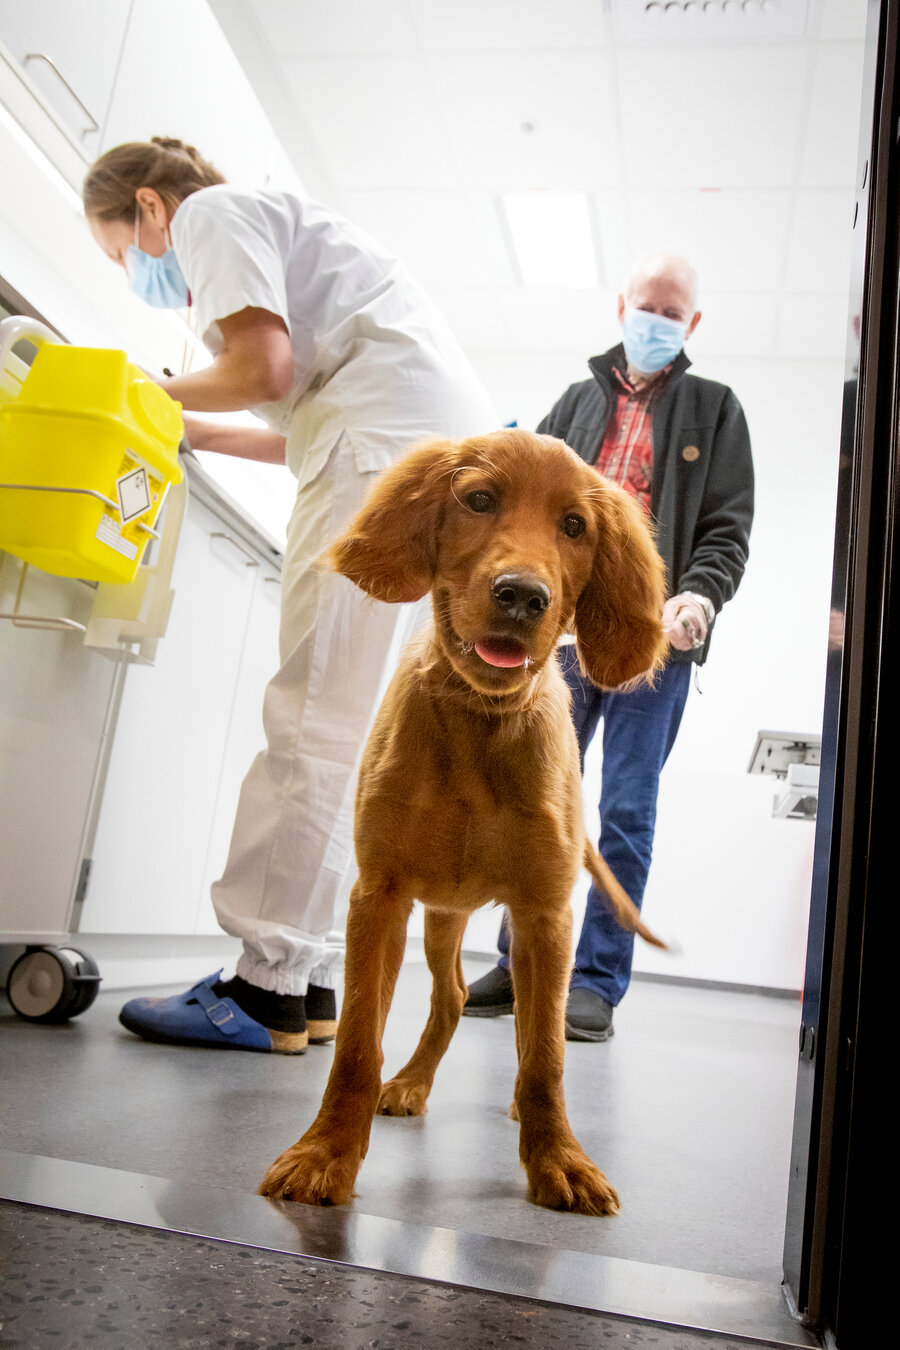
(199, 1017)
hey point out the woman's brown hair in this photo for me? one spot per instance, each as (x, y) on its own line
(174, 169)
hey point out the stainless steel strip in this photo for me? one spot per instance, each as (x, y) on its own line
(681, 1298)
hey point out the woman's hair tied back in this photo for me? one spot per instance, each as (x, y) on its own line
(164, 163)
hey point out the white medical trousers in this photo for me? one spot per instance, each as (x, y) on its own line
(291, 848)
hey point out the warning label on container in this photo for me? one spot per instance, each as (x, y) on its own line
(133, 491)
(108, 533)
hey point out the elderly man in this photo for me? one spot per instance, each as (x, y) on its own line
(680, 445)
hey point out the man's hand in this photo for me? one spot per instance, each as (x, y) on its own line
(686, 619)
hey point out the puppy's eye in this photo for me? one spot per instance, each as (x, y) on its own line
(573, 526)
(480, 501)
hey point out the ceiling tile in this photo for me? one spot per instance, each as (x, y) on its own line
(340, 27)
(735, 239)
(843, 19)
(821, 239)
(813, 327)
(715, 118)
(374, 122)
(736, 325)
(529, 121)
(831, 144)
(474, 314)
(485, 212)
(583, 320)
(445, 238)
(614, 237)
(505, 26)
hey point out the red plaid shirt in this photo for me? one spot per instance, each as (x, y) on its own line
(625, 454)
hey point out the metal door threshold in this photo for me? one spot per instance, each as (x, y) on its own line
(680, 1298)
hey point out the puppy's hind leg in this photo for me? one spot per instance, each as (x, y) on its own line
(321, 1168)
(407, 1093)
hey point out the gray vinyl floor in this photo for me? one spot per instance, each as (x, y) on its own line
(688, 1109)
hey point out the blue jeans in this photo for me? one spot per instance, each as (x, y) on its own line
(639, 730)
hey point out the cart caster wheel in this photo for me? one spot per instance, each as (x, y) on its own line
(52, 984)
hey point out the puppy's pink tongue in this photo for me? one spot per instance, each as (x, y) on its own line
(501, 652)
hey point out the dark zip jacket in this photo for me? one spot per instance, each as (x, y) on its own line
(701, 492)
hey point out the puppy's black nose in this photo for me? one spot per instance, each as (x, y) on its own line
(520, 597)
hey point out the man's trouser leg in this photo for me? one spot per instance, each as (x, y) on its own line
(639, 730)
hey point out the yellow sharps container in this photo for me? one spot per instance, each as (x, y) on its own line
(88, 450)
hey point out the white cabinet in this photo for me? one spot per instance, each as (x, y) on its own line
(187, 731)
(71, 53)
(55, 701)
(114, 71)
(180, 77)
(259, 661)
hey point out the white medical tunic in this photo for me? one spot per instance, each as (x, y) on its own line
(372, 355)
(375, 369)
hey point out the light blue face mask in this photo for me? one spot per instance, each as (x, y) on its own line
(651, 340)
(158, 281)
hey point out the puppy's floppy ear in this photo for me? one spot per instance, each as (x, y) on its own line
(618, 615)
(390, 549)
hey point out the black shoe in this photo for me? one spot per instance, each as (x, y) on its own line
(321, 1014)
(588, 1016)
(491, 996)
(315, 1013)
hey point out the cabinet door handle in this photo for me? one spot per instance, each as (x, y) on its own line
(42, 56)
(236, 543)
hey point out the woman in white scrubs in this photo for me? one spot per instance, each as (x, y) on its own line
(327, 338)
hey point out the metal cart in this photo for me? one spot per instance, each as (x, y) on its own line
(65, 645)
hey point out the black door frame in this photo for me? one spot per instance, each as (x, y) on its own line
(841, 1122)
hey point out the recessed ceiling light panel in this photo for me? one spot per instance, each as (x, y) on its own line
(552, 238)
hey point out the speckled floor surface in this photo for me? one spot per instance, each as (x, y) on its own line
(72, 1281)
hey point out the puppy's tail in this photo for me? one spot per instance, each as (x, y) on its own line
(620, 905)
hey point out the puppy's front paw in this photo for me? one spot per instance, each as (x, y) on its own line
(312, 1173)
(569, 1180)
(399, 1098)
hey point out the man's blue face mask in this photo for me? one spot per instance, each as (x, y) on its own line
(651, 340)
(158, 281)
